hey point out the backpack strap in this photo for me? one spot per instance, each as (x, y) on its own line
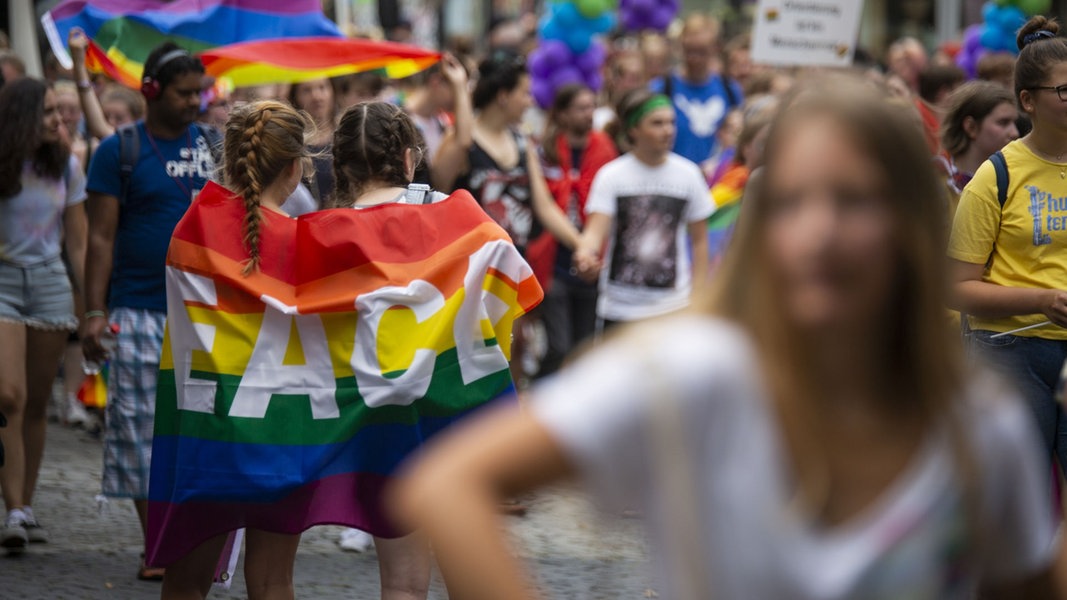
(668, 86)
(129, 153)
(731, 95)
(1000, 167)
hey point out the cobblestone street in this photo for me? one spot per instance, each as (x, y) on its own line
(94, 554)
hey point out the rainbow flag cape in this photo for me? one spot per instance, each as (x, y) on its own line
(93, 390)
(294, 60)
(287, 398)
(124, 32)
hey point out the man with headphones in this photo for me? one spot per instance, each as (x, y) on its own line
(134, 203)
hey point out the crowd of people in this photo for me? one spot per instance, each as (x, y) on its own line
(767, 292)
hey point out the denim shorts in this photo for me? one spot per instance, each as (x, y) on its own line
(37, 296)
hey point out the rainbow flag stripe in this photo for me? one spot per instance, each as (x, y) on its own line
(726, 195)
(124, 32)
(287, 398)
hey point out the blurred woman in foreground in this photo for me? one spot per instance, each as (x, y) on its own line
(808, 431)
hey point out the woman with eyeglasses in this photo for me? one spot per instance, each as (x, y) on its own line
(1009, 238)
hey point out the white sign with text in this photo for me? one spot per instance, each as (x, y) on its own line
(806, 32)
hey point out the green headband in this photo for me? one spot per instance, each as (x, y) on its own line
(657, 101)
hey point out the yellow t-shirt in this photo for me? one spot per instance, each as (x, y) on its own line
(1025, 243)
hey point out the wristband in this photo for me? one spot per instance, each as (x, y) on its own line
(95, 313)
(85, 85)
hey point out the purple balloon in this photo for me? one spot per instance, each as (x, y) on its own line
(972, 38)
(542, 91)
(557, 52)
(645, 8)
(591, 60)
(566, 75)
(661, 18)
(538, 64)
(594, 81)
(631, 21)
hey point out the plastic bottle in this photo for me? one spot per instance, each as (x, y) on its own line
(108, 342)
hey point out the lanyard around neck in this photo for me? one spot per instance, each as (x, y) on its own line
(186, 189)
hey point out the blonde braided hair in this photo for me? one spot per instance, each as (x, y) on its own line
(262, 140)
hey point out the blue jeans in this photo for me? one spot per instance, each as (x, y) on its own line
(1033, 365)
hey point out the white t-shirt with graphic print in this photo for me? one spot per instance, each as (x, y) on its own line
(912, 542)
(647, 267)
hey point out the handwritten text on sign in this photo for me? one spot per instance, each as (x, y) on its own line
(806, 32)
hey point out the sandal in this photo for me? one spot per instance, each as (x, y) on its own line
(147, 573)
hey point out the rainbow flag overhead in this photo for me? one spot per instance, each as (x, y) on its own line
(124, 32)
(287, 398)
(301, 59)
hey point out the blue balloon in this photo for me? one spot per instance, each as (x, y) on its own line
(1007, 41)
(990, 37)
(579, 39)
(604, 23)
(989, 11)
(1011, 18)
(551, 29)
(567, 14)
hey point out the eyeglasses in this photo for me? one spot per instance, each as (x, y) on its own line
(1061, 90)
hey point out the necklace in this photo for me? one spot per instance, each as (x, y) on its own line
(186, 189)
(1048, 157)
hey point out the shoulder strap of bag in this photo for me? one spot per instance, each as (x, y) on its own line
(1000, 167)
(129, 152)
(731, 95)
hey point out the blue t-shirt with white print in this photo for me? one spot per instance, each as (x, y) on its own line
(699, 109)
(168, 173)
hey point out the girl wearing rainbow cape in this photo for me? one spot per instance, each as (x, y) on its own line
(307, 357)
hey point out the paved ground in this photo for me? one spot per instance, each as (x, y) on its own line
(576, 553)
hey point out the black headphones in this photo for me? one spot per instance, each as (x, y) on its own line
(150, 86)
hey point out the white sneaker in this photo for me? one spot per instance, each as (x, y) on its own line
(35, 534)
(355, 540)
(76, 415)
(13, 535)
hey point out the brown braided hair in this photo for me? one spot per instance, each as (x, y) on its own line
(369, 146)
(262, 139)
